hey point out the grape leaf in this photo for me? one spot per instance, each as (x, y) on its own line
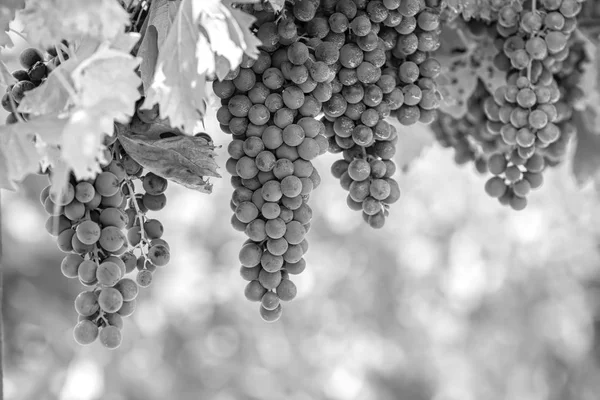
(107, 89)
(586, 161)
(8, 9)
(18, 154)
(47, 22)
(159, 21)
(201, 33)
(53, 95)
(183, 159)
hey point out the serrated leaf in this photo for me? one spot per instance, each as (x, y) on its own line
(178, 87)
(202, 35)
(82, 139)
(215, 19)
(186, 160)
(54, 94)
(586, 161)
(108, 77)
(49, 21)
(107, 90)
(8, 9)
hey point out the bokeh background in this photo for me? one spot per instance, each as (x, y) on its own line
(457, 298)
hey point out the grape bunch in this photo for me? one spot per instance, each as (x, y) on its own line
(374, 56)
(88, 219)
(530, 113)
(34, 72)
(269, 106)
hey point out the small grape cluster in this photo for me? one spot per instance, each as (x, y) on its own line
(88, 218)
(35, 71)
(269, 105)
(540, 34)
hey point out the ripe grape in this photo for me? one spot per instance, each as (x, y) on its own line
(110, 337)
(110, 300)
(85, 332)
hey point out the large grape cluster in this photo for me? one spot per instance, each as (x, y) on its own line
(269, 106)
(530, 113)
(89, 218)
(371, 60)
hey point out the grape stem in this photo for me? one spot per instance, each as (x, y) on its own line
(139, 215)
(533, 10)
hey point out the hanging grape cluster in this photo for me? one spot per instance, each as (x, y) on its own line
(89, 219)
(269, 106)
(35, 71)
(377, 56)
(530, 113)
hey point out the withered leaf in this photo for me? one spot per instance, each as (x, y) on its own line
(186, 160)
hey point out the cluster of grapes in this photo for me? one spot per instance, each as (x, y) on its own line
(371, 60)
(88, 218)
(530, 113)
(269, 107)
(34, 73)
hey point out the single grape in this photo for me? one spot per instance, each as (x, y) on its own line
(159, 255)
(144, 278)
(110, 337)
(254, 291)
(86, 303)
(85, 332)
(110, 300)
(286, 291)
(108, 274)
(271, 315)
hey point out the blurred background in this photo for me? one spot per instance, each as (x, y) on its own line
(457, 298)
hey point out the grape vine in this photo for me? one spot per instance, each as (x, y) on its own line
(300, 78)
